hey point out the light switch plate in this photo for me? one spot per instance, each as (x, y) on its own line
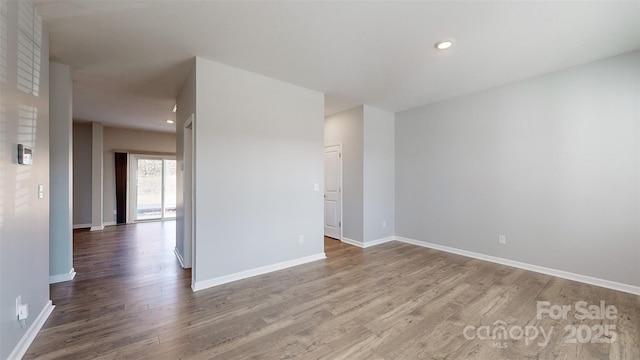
(23, 311)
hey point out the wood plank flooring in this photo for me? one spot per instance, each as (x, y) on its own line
(131, 300)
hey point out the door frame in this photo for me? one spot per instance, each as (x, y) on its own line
(339, 145)
(188, 192)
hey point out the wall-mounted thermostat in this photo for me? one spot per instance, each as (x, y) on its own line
(24, 155)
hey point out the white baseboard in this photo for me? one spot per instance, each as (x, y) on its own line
(24, 343)
(379, 241)
(200, 285)
(357, 243)
(539, 269)
(367, 244)
(62, 277)
(95, 228)
(180, 259)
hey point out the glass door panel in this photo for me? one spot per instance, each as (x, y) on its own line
(169, 208)
(149, 189)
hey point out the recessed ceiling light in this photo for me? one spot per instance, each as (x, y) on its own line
(175, 107)
(169, 121)
(443, 44)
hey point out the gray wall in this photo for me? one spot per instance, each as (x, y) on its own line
(551, 162)
(259, 152)
(347, 128)
(127, 139)
(97, 176)
(379, 177)
(61, 162)
(82, 174)
(186, 102)
(24, 219)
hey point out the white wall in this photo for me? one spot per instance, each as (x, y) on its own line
(61, 177)
(128, 139)
(82, 174)
(24, 219)
(379, 174)
(259, 152)
(347, 128)
(186, 102)
(551, 162)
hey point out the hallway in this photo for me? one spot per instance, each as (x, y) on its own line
(128, 279)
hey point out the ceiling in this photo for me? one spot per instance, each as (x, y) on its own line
(130, 58)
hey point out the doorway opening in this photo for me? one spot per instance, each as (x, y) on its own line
(153, 193)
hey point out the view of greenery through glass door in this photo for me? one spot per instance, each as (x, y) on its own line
(156, 190)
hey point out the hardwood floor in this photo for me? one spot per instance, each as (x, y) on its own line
(131, 300)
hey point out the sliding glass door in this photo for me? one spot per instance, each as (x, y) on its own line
(169, 201)
(154, 196)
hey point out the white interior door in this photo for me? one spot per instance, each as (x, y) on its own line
(333, 191)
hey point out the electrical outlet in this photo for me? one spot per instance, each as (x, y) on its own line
(384, 223)
(502, 239)
(301, 239)
(18, 303)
